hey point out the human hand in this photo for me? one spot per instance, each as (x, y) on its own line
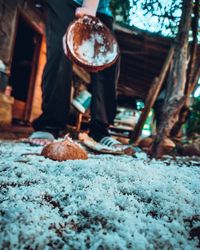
(81, 11)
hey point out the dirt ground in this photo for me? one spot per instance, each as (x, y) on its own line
(15, 132)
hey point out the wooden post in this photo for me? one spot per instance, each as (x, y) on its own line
(152, 96)
(195, 80)
(79, 121)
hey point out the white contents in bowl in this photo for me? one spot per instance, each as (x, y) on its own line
(87, 53)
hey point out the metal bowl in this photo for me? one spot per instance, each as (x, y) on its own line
(90, 44)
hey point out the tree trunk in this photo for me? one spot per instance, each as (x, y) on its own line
(191, 73)
(176, 81)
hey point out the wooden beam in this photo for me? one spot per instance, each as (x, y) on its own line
(133, 53)
(195, 81)
(34, 68)
(152, 96)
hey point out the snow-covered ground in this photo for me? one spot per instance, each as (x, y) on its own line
(105, 202)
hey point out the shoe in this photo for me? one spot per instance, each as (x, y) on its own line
(82, 101)
(39, 138)
(113, 143)
(110, 142)
(106, 145)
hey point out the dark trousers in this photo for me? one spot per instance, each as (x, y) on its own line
(57, 77)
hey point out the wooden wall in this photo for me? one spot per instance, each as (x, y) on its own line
(9, 12)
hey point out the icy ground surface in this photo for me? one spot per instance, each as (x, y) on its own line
(106, 202)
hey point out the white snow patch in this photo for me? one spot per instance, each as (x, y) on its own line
(105, 202)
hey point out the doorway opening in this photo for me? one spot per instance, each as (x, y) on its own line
(24, 68)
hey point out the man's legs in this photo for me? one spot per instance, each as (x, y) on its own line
(104, 100)
(56, 81)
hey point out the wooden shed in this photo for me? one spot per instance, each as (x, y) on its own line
(23, 49)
